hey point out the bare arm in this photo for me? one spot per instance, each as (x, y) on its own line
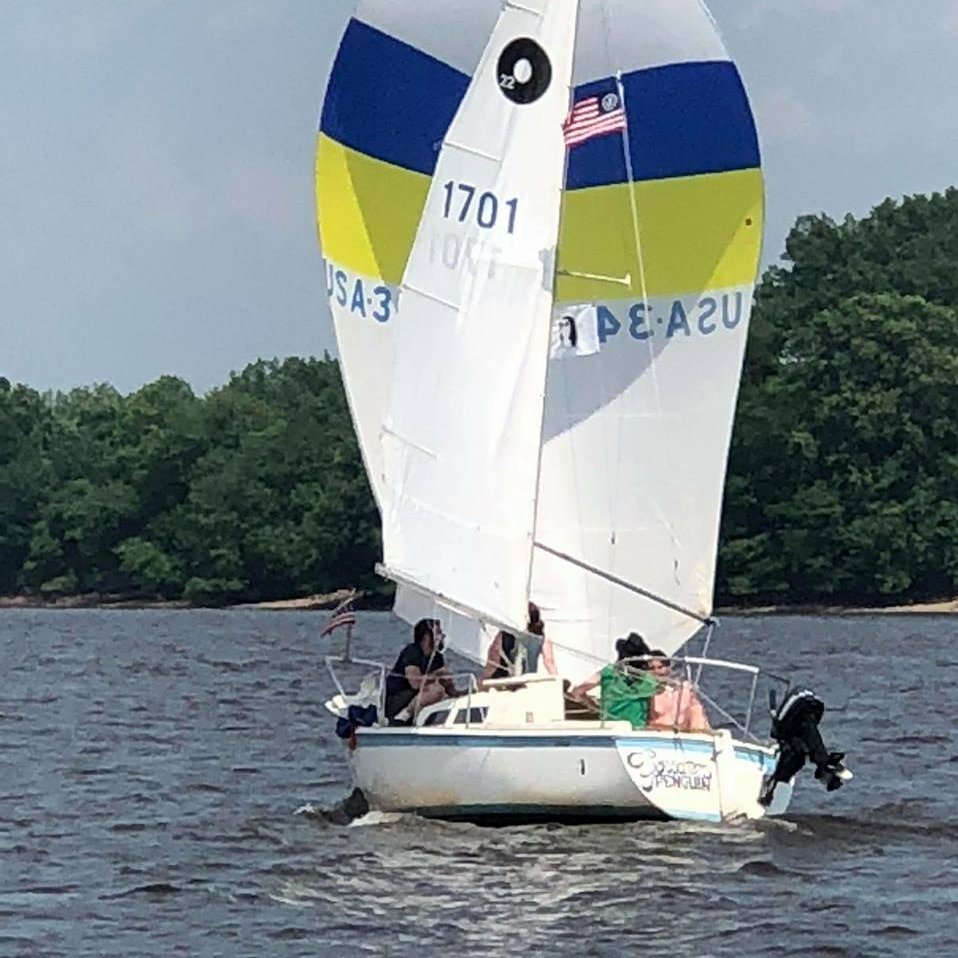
(699, 721)
(492, 660)
(414, 677)
(441, 676)
(590, 683)
(549, 659)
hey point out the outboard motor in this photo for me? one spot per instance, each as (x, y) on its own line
(795, 728)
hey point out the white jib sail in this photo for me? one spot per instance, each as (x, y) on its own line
(462, 428)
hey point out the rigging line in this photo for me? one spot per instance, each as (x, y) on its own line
(451, 604)
(570, 93)
(607, 397)
(637, 232)
(419, 291)
(523, 8)
(385, 430)
(472, 151)
(443, 605)
(629, 586)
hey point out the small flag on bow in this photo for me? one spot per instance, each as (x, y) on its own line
(340, 617)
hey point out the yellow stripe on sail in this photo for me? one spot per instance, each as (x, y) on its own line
(368, 210)
(697, 233)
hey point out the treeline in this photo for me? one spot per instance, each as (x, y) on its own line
(843, 478)
(254, 492)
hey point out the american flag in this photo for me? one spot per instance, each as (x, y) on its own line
(594, 116)
(341, 616)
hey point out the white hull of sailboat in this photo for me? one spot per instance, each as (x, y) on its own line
(523, 774)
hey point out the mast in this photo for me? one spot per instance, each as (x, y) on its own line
(555, 284)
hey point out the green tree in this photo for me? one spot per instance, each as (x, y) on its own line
(846, 459)
(25, 474)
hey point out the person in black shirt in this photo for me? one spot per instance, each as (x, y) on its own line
(419, 677)
(502, 657)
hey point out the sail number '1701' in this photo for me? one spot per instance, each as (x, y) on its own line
(465, 202)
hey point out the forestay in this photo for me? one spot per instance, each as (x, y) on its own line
(660, 239)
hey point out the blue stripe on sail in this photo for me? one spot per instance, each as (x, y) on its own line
(389, 100)
(684, 119)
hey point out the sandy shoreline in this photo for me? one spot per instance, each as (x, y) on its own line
(307, 604)
(321, 601)
(326, 601)
(945, 607)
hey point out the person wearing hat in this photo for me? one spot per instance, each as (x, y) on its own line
(625, 688)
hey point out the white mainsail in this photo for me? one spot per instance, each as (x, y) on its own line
(659, 244)
(463, 423)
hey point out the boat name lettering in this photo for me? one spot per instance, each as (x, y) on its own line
(653, 772)
(466, 202)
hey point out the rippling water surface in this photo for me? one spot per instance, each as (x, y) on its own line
(153, 761)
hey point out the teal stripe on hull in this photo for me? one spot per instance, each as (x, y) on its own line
(414, 740)
(751, 755)
(418, 740)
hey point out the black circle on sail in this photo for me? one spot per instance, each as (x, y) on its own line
(524, 71)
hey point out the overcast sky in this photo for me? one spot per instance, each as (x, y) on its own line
(156, 164)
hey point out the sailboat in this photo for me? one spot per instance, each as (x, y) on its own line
(541, 223)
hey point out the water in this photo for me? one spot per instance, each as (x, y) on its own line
(152, 763)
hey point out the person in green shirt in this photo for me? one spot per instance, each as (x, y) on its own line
(625, 693)
(625, 688)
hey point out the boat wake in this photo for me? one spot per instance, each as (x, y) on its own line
(376, 818)
(893, 821)
(348, 811)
